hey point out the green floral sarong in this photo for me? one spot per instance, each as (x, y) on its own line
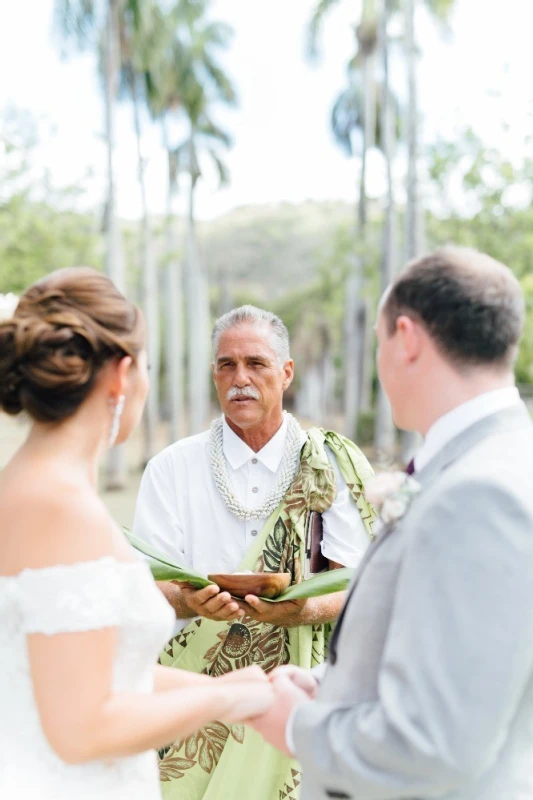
(222, 762)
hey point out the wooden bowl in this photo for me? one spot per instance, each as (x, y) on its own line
(262, 584)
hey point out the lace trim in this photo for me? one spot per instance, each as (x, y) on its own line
(87, 595)
(75, 564)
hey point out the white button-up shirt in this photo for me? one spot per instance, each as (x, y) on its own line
(459, 419)
(181, 512)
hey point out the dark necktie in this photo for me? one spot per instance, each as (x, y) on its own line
(410, 468)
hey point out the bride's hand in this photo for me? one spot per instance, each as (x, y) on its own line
(249, 699)
(249, 674)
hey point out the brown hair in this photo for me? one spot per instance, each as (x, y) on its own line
(65, 328)
(470, 304)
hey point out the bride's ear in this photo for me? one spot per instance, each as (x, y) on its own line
(120, 372)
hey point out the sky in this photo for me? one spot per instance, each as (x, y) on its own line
(479, 75)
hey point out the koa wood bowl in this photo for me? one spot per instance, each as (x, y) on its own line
(262, 584)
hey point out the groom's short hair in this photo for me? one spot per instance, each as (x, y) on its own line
(471, 305)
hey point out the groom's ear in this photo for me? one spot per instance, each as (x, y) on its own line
(411, 337)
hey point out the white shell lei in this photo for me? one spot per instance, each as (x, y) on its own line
(286, 473)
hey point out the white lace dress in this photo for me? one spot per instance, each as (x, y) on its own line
(80, 597)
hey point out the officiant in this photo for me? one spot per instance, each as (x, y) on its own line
(255, 493)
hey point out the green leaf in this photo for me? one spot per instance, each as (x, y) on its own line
(335, 580)
(164, 569)
(162, 566)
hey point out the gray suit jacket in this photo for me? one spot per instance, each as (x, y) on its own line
(429, 690)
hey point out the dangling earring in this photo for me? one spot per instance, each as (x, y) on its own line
(117, 413)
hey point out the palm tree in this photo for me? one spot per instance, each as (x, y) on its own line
(164, 78)
(385, 430)
(174, 318)
(136, 44)
(204, 135)
(84, 22)
(355, 110)
(204, 84)
(183, 82)
(440, 9)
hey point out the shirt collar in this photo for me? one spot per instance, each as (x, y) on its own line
(464, 416)
(238, 453)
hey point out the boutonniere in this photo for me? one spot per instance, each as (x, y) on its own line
(391, 493)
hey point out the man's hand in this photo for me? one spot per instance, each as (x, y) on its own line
(287, 613)
(211, 603)
(290, 613)
(302, 678)
(273, 724)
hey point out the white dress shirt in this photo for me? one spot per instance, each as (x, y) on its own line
(459, 419)
(181, 512)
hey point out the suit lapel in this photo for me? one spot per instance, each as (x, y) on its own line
(377, 542)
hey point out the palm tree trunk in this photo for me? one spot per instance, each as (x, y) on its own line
(411, 216)
(366, 335)
(411, 441)
(356, 341)
(174, 326)
(150, 292)
(352, 370)
(385, 431)
(116, 473)
(367, 358)
(198, 317)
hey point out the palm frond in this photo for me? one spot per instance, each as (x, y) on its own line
(75, 22)
(314, 28)
(441, 9)
(221, 167)
(212, 132)
(221, 82)
(347, 116)
(217, 34)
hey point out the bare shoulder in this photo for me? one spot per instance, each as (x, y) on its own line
(54, 521)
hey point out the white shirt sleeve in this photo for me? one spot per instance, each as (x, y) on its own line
(156, 518)
(345, 537)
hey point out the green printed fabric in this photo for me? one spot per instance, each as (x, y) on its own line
(222, 761)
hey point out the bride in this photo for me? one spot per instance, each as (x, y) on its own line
(78, 719)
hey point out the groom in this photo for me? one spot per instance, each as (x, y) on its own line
(429, 688)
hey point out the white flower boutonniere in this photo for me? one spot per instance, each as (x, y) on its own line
(391, 493)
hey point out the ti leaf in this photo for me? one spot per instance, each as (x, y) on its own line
(164, 569)
(335, 580)
(162, 566)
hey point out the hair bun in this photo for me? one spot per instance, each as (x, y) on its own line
(64, 329)
(9, 372)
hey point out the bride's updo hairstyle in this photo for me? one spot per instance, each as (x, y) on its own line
(65, 329)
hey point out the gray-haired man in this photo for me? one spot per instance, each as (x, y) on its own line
(244, 496)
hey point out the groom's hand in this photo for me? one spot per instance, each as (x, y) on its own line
(302, 678)
(273, 724)
(211, 603)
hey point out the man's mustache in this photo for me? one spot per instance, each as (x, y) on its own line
(246, 391)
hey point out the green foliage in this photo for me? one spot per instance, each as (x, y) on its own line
(35, 239)
(37, 234)
(484, 201)
(366, 425)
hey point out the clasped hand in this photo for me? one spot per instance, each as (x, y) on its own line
(293, 687)
(274, 697)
